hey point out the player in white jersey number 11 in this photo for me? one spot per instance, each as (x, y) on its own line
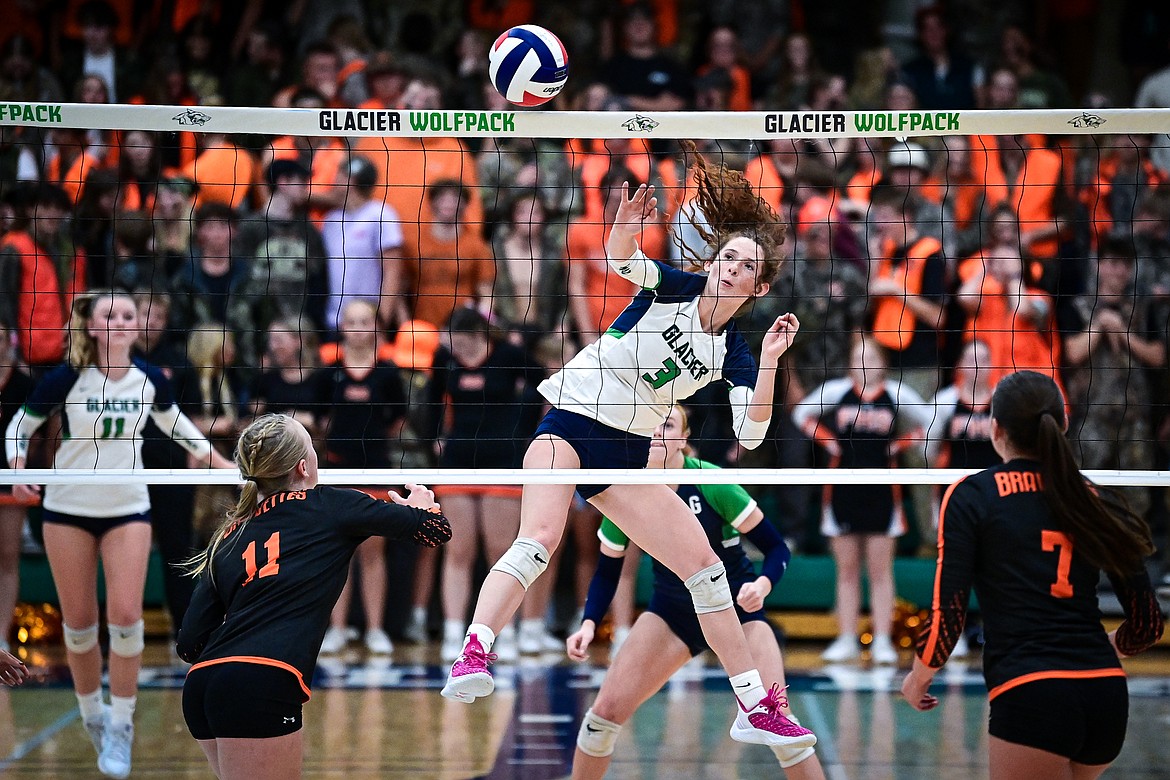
(677, 336)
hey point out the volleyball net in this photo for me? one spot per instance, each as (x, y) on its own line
(965, 245)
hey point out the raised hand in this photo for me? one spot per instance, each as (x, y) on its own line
(778, 339)
(420, 497)
(636, 210)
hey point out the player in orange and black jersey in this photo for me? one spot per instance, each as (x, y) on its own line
(266, 586)
(1032, 536)
(959, 435)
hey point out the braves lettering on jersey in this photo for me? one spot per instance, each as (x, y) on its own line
(101, 428)
(721, 510)
(274, 580)
(654, 355)
(1037, 594)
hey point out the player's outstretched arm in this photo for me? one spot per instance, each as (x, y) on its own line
(621, 249)
(752, 409)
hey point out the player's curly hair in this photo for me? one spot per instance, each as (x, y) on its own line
(732, 208)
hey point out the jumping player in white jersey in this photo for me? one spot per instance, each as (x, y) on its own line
(105, 398)
(677, 336)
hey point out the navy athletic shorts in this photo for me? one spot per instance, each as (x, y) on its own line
(597, 445)
(95, 526)
(679, 616)
(1083, 720)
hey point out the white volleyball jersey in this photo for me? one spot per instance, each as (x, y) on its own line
(654, 355)
(102, 422)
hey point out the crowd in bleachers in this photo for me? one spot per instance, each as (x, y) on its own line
(331, 278)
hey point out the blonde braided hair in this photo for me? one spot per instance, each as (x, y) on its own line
(267, 452)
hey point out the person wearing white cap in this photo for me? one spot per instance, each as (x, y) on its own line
(909, 165)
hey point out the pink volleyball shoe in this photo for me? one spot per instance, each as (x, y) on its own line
(766, 724)
(469, 678)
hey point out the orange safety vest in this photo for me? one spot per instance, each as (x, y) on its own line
(1032, 194)
(893, 323)
(42, 306)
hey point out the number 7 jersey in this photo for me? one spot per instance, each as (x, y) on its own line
(1037, 594)
(655, 354)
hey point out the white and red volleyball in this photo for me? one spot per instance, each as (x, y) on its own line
(528, 65)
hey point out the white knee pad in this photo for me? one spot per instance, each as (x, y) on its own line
(791, 756)
(709, 589)
(525, 560)
(80, 640)
(128, 641)
(597, 736)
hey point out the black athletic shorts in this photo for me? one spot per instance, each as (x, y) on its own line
(1081, 719)
(679, 616)
(242, 700)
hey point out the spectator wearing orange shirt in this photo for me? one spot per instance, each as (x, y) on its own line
(1006, 310)
(596, 294)
(407, 167)
(36, 294)
(447, 263)
(224, 172)
(908, 290)
(70, 161)
(1019, 170)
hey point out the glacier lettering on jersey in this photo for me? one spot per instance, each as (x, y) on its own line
(99, 405)
(686, 355)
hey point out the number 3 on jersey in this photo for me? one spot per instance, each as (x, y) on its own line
(1053, 540)
(272, 547)
(668, 373)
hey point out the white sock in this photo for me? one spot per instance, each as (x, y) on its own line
(485, 635)
(91, 705)
(122, 710)
(418, 616)
(532, 626)
(748, 687)
(452, 628)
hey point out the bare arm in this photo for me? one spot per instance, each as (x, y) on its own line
(391, 306)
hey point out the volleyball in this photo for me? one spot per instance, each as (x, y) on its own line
(528, 65)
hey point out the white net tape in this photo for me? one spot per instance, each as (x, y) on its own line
(352, 122)
(489, 477)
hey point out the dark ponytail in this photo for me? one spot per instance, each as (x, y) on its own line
(1029, 407)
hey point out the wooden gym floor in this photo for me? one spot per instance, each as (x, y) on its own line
(381, 719)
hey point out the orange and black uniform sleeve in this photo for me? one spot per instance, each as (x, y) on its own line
(1143, 623)
(954, 575)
